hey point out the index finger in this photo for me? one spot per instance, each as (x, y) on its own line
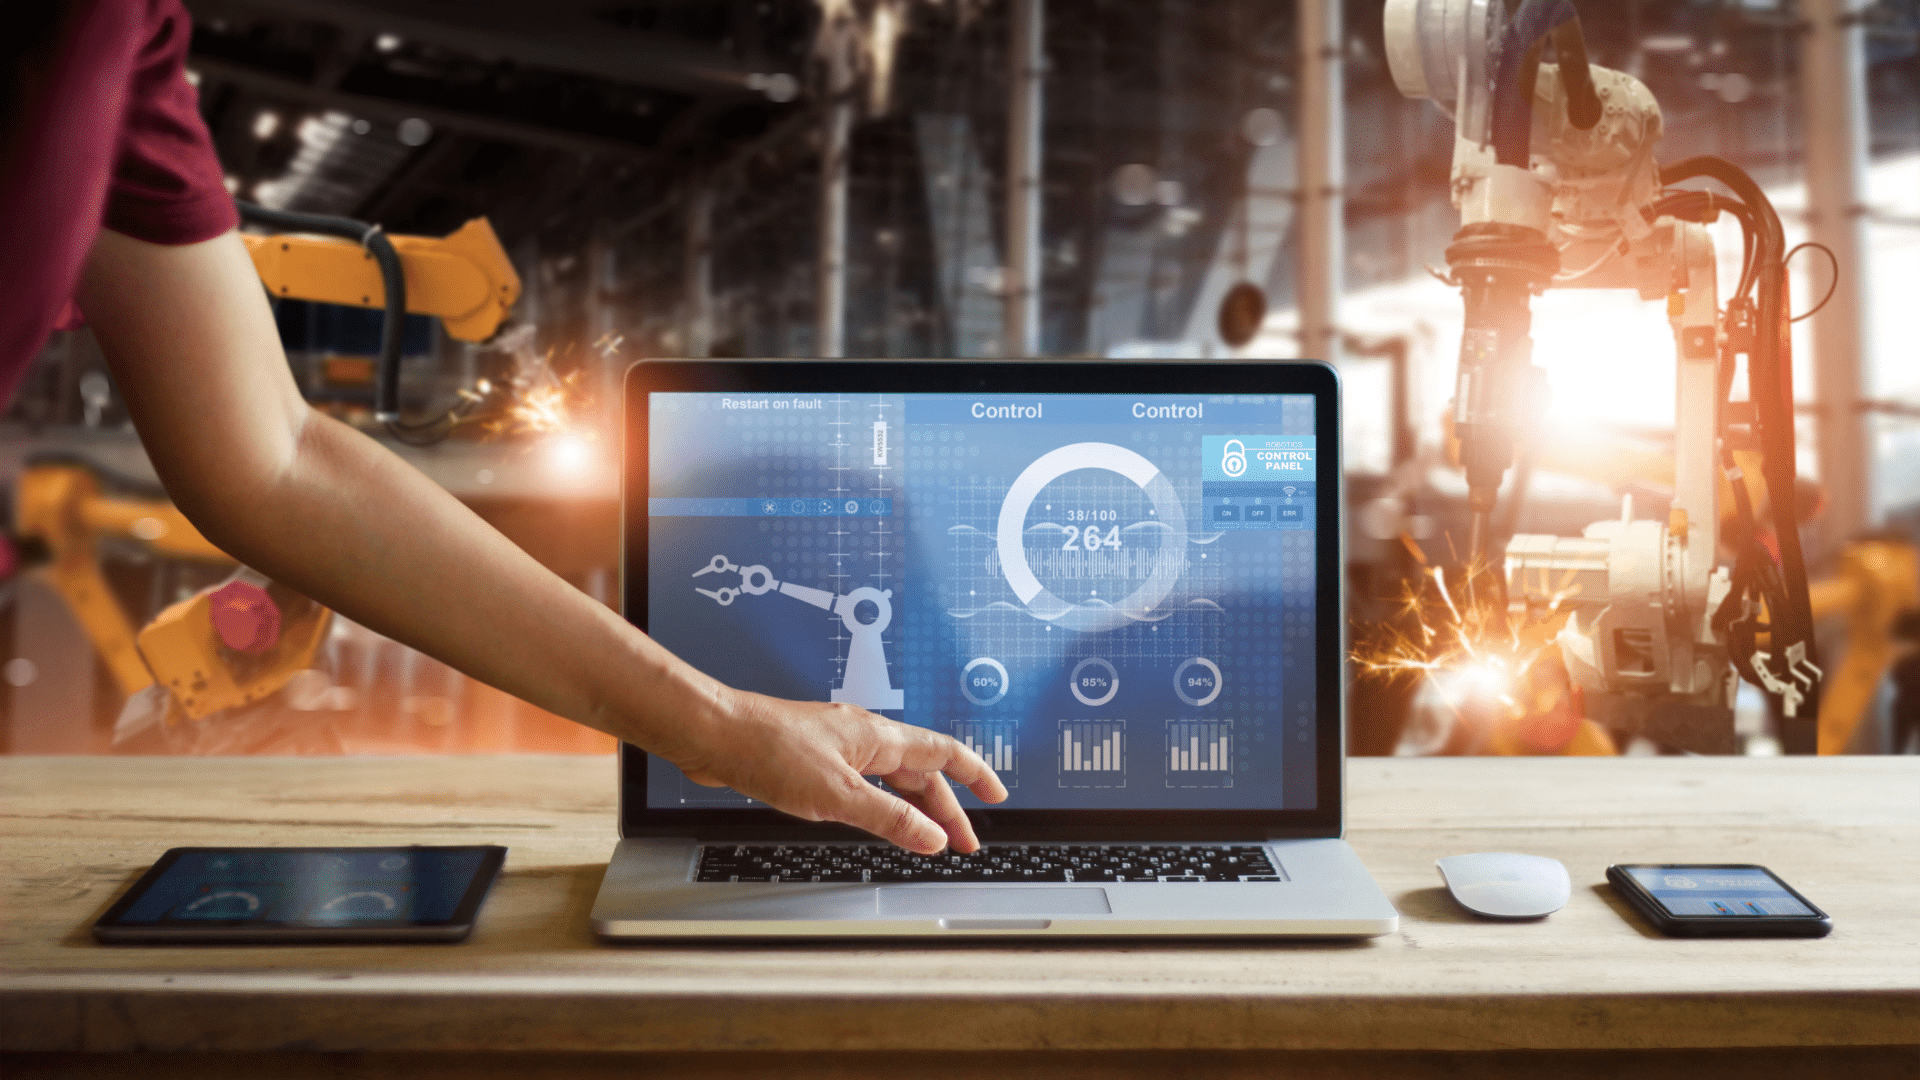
(930, 751)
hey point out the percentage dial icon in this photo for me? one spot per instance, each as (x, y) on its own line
(1197, 681)
(1094, 681)
(984, 681)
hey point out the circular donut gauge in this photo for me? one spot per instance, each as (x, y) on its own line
(1094, 681)
(223, 904)
(360, 904)
(1197, 681)
(1010, 536)
(984, 681)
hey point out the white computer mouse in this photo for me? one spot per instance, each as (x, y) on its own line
(1503, 885)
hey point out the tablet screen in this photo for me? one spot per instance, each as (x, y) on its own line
(310, 887)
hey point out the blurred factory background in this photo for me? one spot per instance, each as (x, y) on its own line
(978, 178)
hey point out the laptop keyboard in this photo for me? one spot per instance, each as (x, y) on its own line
(999, 862)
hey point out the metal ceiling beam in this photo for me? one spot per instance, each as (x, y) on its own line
(507, 131)
(1833, 87)
(527, 34)
(1026, 56)
(1322, 171)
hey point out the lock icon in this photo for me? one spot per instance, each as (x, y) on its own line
(1233, 461)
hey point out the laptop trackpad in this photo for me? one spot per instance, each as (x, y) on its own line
(991, 900)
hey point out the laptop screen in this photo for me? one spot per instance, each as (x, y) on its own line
(1111, 597)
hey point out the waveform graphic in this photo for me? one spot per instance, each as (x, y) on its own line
(997, 605)
(1127, 564)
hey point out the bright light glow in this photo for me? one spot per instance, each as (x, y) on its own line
(413, 131)
(20, 671)
(569, 453)
(387, 42)
(1477, 685)
(1488, 677)
(847, 41)
(317, 135)
(889, 23)
(1608, 355)
(265, 124)
(1667, 43)
(1610, 358)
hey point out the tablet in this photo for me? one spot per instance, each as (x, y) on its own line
(301, 895)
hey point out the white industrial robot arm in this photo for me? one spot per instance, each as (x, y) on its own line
(1556, 183)
(865, 681)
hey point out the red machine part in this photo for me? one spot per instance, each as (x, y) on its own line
(245, 617)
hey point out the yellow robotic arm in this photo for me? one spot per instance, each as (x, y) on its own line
(464, 279)
(193, 648)
(62, 506)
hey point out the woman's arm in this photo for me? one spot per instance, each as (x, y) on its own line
(312, 503)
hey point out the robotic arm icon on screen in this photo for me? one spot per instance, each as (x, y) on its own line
(866, 683)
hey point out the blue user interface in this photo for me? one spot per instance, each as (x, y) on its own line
(347, 887)
(1110, 598)
(1704, 890)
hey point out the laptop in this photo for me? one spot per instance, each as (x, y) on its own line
(1119, 583)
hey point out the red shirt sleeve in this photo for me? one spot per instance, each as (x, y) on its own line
(167, 186)
(106, 131)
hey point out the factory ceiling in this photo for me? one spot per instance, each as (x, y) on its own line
(575, 122)
(418, 113)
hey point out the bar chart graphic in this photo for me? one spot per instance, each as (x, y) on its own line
(994, 742)
(1200, 753)
(1093, 753)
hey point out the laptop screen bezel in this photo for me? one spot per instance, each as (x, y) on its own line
(1304, 377)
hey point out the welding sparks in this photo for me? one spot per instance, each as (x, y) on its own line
(540, 409)
(535, 399)
(1473, 653)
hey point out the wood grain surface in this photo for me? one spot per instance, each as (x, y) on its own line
(1845, 831)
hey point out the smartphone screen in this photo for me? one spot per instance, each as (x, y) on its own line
(1736, 900)
(207, 893)
(1733, 892)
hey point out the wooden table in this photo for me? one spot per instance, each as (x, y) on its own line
(1448, 995)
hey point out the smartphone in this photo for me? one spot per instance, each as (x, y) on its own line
(305, 895)
(1718, 900)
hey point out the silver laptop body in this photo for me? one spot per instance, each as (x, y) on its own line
(931, 540)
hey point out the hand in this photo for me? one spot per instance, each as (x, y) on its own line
(811, 759)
